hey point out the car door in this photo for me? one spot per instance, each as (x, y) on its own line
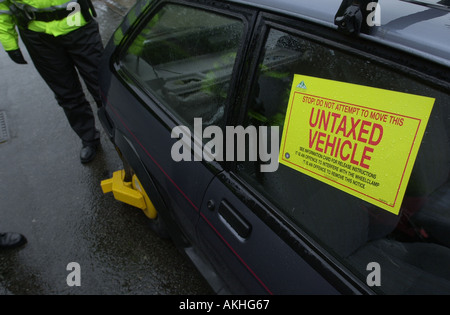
(244, 237)
(177, 65)
(287, 231)
(239, 235)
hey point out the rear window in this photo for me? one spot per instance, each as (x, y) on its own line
(402, 253)
(184, 57)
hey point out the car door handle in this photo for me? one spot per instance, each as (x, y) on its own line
(235, 220)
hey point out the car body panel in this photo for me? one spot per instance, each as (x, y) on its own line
(405, 25)
(211, 212)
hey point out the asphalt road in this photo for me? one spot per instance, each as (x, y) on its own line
(57, 203)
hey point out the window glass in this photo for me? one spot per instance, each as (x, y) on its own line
(185, 56)
(412, 249)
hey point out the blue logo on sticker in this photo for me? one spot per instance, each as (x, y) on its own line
(302, 85)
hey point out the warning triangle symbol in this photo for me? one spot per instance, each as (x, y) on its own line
(302, 85)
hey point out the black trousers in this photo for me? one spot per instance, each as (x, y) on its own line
(57, 59)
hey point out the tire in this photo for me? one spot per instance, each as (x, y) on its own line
(155, 221)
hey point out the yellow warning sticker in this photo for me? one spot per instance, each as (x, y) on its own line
(359, 139)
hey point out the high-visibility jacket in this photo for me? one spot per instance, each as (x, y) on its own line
(137, 46)
(8, 32)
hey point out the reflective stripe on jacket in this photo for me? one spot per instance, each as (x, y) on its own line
(8, 33)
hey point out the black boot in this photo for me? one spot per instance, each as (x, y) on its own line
(11, 240)
(88, 153)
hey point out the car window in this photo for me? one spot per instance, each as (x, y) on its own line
(356, 232)
(184, 56)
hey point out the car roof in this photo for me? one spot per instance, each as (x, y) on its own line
(421, 27)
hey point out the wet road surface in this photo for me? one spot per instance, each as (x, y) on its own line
(57, 203)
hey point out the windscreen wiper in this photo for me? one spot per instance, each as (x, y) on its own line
(351, 17)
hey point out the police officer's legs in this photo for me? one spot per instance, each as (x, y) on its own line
(57, 68)
(85, 48)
